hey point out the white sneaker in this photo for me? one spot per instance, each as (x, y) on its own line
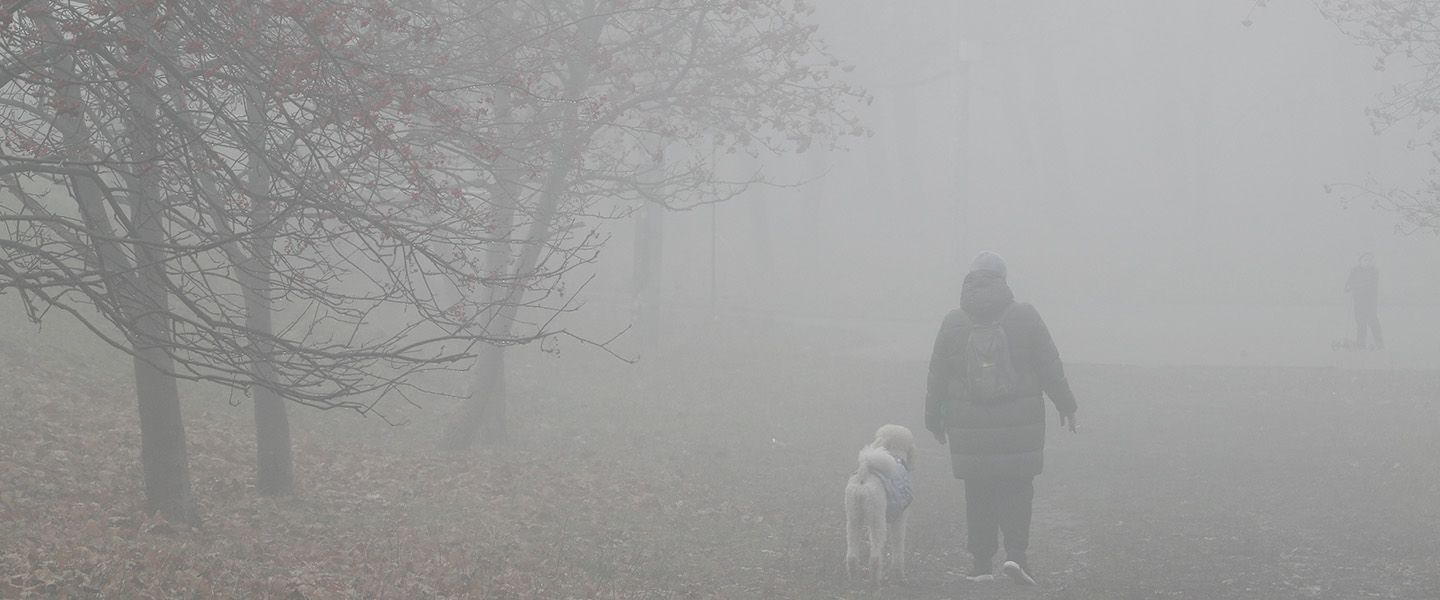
(1017, 574)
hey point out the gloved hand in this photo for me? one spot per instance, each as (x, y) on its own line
(1068, 421)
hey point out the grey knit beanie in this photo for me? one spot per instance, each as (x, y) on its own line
(988, 261)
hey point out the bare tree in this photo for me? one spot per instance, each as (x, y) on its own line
(236, 192)
(608, 89)
(1407, 30)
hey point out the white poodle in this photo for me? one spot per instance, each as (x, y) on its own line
(876, 498)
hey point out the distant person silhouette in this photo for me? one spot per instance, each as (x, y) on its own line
(1364, 288)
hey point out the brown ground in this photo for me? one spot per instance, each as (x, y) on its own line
(716, 472)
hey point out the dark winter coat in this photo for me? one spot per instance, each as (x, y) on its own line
(1005, 439)
(1364, 285)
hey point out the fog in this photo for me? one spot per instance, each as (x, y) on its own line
(1133, 160)
(598, 299)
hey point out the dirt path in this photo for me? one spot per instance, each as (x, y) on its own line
(717, 471)
(1184, 482)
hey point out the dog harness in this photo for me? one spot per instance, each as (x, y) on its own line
(897, 491)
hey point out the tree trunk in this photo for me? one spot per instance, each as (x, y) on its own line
(960, 171)
(759, 200)
(162, 439)
(162, 433)
(649, 257)
(485, 410)
(906, 138)
(274, 471)
(649, 260)
(274, 474)
(1055, 153)
(816, 197)
(483, 413)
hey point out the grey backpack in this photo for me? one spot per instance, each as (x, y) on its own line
(988, 373)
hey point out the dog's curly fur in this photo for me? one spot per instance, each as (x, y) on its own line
(865, 504)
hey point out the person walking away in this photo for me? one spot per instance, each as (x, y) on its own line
(1364, 288)
(993, 359)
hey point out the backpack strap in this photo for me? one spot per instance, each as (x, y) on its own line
(1001, 317)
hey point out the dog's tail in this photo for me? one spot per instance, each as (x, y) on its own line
(877, 460)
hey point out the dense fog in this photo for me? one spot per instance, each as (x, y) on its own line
(1159, 159)
(598, 299)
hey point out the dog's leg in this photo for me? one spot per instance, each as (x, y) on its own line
(897, 550)
(854, 530)
(875, 514)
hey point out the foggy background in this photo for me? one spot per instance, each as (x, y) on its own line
(1153, 171)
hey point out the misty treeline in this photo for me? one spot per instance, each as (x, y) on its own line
(312, 202)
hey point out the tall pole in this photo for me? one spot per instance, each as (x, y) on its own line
(714, 262)
(966, 52)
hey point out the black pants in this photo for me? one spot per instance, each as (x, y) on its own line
(1366, 317)
(994, 507)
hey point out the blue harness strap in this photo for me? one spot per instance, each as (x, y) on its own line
(897, 492)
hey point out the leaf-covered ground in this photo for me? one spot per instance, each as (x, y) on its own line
(715, 471)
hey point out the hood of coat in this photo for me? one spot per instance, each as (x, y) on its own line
(984, 295)
(989, 260)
